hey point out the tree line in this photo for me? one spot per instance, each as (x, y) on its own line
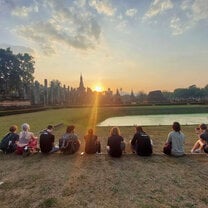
(17, 82)
(16, 74)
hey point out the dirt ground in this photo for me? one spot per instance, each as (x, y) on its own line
(99, 181)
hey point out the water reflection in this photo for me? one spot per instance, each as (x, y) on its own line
(154, 120)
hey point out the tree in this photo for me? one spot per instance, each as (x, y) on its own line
(16, 74)
(8, 72)
(26, 65)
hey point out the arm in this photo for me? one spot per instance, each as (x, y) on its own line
(108, 143)
(169, 139)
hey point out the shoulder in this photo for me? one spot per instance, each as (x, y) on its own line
(182, 134)
(120, 137)
(110, 137)
(15, 135)
(171, 133)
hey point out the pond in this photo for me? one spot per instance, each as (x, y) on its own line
(155, 120)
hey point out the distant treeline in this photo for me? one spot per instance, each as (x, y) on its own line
(17, 83)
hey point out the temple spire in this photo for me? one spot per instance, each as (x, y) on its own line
(81, 84)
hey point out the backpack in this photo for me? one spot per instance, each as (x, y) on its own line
(143, 145)
(8, 143)
(167, 148)
(70, 147)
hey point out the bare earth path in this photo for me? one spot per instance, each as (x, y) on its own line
(101, 181)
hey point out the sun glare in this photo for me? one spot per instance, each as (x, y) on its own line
(98, 88)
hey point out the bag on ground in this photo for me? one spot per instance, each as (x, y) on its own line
(167, 148)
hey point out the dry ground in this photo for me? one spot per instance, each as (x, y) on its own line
(101, 181)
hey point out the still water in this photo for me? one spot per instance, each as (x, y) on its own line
(152, 120)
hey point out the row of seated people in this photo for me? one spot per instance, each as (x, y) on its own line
(26, 142)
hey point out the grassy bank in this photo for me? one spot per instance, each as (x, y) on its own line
(100, 181)
(84, 117)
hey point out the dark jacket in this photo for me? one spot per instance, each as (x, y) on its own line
(142, 144)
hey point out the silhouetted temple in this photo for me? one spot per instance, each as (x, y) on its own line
(56, 94)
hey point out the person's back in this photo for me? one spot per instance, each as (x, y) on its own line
(177, 142)
(25, 137)
(8, 143)
(143, 144)
(69, 143)
(114, 142)
(92, 145)
(46, 141)
(176, 138)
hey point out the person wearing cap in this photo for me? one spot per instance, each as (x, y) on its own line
(201, 144)
(47, 141)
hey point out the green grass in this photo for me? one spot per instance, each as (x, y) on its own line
(100, 181)
(81, 116)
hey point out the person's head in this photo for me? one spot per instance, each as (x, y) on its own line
(115, 131)
(139, 129)
(70, 129)
(25, 127)
(90, 131)
(176, 126)
(203, 127)
(13, 128)
(50, 128)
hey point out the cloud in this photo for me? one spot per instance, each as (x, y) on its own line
(194, 11)
(24, 11)
(7, 4)
(122, 25)
(186, 4)
(102, 7)
(200, 10)
(131, 12)
(80, 3)
(158, 7)
(17, 49)
(72, 26)
(177, 26)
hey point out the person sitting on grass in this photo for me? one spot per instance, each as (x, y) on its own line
(8, 143)
(201, 143)
(176, 138)
(46, 141)
(141, 143)
(69, 143)
(26, 138)
(115, 145)
(92, 145)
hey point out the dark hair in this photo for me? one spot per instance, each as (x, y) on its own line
(70, 128)
(50, 127)
(13, 128)
(90, 131)
(203, 126)
(139, 129)
(176, 126)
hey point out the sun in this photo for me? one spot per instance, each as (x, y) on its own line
(98, 88)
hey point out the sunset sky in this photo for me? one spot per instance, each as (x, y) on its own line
(142, 45)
